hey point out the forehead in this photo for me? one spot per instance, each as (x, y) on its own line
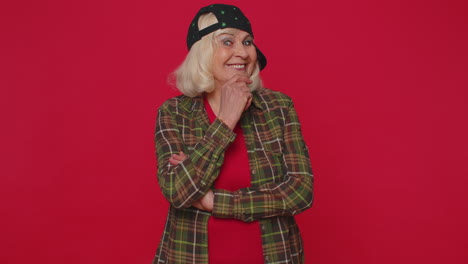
(234, 32)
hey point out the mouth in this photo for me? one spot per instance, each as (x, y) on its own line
(237, 66)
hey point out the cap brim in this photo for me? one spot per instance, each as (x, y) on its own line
(262, 61)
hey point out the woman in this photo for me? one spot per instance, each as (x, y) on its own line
(231, 158)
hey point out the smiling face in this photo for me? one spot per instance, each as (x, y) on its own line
(234, 54)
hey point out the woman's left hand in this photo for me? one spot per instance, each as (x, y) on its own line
(206, 202)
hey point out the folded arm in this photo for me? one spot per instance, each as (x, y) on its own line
(189, 180)
(291, 196)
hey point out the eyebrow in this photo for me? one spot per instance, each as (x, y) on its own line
(225, 34)
(246, 37)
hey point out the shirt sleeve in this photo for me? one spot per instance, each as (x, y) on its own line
(291, 196)
(188, 181)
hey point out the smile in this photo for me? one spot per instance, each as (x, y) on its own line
(237, 66)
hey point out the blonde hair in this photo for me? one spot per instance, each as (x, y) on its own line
(194, 76)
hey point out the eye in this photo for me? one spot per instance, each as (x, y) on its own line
(227, 42)
(248, 42)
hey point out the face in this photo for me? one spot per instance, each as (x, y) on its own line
(234, 53)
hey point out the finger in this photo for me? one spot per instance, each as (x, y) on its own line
(249, 102)
(241, 88)
(207, 201)
(198, 205)
(244, 80)
(173, 161)
(178, 157)
(248, 95)
(181, 156)
(239, 78)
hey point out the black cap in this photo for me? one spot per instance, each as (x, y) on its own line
(228, 17)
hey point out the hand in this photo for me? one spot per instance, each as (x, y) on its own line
(175, 159)
(206, 202)
(235, 99)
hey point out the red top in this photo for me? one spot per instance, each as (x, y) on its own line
(231, 240)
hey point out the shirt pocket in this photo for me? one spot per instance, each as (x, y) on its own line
(274, 162)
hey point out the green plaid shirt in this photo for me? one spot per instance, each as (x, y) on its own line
(281, 176)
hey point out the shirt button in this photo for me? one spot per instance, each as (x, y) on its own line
(254, 171)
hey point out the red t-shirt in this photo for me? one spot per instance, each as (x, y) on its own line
(232, 240)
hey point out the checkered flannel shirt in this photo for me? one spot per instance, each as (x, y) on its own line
(281, 176)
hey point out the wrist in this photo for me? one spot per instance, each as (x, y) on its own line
(231, 124)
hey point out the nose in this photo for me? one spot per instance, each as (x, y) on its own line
(241, 51)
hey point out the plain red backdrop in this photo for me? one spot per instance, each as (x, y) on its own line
(380, 88)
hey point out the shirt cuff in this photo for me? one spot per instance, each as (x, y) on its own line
(219, 134)
(226, 204)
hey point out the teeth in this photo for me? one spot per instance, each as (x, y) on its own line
(237, 66)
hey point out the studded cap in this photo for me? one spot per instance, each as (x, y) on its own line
(228, 17)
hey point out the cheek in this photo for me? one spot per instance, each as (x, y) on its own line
(222, 56)
(253, 55)
(254, 59)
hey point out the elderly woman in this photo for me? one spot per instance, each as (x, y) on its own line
(232, 161)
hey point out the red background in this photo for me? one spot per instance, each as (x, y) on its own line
(380, 88)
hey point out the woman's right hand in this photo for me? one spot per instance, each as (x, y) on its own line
(235, 99)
